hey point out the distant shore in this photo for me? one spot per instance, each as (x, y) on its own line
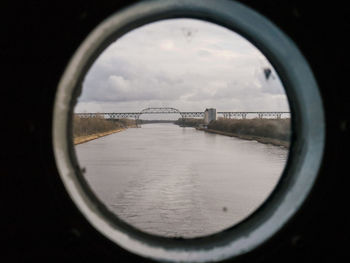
(86, 138)
(260, 139)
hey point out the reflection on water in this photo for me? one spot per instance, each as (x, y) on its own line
(174, 181)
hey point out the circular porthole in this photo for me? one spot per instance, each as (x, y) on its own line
(305, 153)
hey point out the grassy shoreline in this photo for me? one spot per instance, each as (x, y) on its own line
(269, 131)
(87, 129)
(86, 138)
(260, 139)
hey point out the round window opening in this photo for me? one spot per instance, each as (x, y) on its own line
(176, 128)
(200, 123)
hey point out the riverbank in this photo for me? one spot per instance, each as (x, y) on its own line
(87, 129)
(260, 139)
(269, 131)
(86, 138)
(189, 122)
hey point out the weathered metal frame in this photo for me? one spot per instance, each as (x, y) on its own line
(305, 154)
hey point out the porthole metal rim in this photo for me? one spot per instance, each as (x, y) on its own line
(305, 102)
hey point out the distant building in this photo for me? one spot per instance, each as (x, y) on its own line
(209, 115)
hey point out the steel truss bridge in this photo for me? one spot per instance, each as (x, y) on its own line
(184, 114)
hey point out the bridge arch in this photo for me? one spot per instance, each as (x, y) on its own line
(159, 110)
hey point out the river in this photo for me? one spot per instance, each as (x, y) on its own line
(180, 182)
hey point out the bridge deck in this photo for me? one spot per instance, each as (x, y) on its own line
(185, 114)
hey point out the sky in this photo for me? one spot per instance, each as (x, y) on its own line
(186, 64)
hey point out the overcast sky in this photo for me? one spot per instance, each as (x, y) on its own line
(182, 63)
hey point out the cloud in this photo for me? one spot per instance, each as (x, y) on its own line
(141, 84)
(204, 53)
(183, 63)
(167, 45)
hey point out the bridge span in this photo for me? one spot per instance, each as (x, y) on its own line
(184, 114)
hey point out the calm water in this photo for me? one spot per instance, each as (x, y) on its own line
(174, 181)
